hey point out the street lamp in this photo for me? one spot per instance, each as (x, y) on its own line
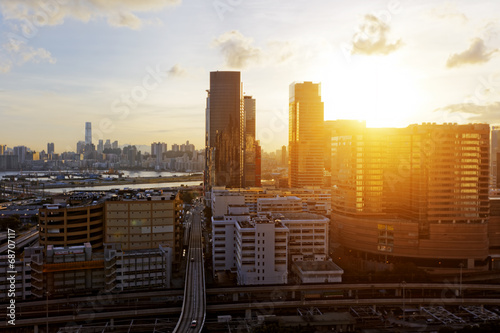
(403, 283)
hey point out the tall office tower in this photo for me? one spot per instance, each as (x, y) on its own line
(114, 145)
(224, 130)
(251, 145)
(305, 133)
(100, 146)
(495, 149)
(418, 194)
(175, 147)
(50, 148)
(107, 144)
(80, 147)
(284, 157)
(88, 133)
(20, 151)
(3, 149)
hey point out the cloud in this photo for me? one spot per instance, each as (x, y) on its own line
(488, 112)
(372, 38)
(475, 54)
(17, 52)
(5, 66)
(237, 49)
(54, 12)
(448, 11)
(177, 71)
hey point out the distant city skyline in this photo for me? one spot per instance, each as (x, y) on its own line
(391, 63)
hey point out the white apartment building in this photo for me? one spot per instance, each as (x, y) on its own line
(261, 252)
(224, 237)
(308, 235)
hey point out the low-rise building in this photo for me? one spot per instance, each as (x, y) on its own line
(317, 271)
(78, 269)
(279, 205)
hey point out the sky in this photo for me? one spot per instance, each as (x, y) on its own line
(139, 70)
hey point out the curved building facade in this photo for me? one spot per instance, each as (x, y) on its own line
(71, 226)
(419, 192)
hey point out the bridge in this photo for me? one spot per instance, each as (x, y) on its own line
(193, 308)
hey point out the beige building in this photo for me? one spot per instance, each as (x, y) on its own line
(144, 224)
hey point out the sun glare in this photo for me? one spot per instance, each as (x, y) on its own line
(382, 95)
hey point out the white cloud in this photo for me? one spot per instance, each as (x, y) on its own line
(177, 71)
(17, 52)
(5, 66)
(488, 113)
(119, 13)
(448, 11)
(239, 51)
(372, 38)
(475, 54)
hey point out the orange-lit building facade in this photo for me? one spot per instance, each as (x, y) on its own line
(72, 226)
(417, 194)
(306, 135)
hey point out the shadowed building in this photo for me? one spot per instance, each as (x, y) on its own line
(224, 130)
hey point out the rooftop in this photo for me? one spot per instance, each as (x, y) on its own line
(318, 266)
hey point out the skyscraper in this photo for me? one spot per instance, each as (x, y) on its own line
(224, 130)
(50, 148)
(495, 149)
(252, 148)
(88, 133)
(306, 140)
(100, 146)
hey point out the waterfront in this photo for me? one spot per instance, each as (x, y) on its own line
(86, 182)
(122, 186)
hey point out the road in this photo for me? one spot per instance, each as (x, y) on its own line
(194, 305)
(22, 240)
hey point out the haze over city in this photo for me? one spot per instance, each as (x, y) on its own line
(139, 70)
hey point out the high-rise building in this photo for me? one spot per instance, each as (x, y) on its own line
(3, 149)
(50, 148)
(419, 194)
(80, 147)
(114, 145)
(306, 138)
(100, 146)
(20, 152)
(157, 149)
(251, 172)
(284, 157)
(107, 144)
(495, 149)
(224, 130)
(88, 133)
